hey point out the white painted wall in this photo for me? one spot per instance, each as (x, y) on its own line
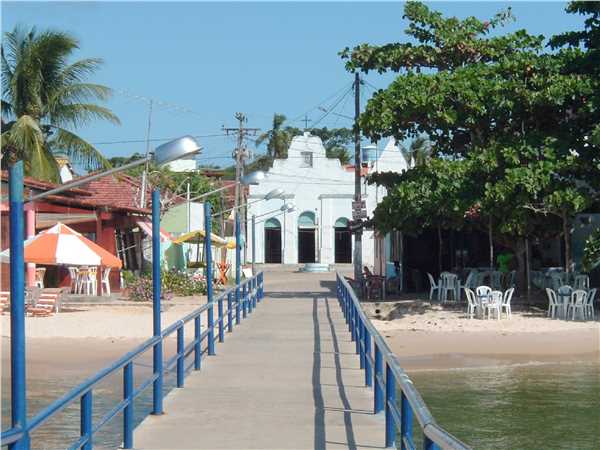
(326, 188)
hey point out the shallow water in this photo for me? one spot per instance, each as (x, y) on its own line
(520, 407)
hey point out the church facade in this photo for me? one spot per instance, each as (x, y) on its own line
(321, 192)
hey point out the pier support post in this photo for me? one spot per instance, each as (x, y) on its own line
(406, 422)
(367, 351)
(390, 399)
(157, 387)
(18, 380)
(229, 311)
(238, 268)
(209, 278)
(128, 411)
(378, 394)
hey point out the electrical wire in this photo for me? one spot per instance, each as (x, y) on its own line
(135, 141)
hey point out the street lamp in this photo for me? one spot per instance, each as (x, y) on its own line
(169, 151)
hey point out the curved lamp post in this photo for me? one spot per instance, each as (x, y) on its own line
(164, 153)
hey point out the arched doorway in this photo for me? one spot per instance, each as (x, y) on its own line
(273, 241)
(342, 241)
(306, 237)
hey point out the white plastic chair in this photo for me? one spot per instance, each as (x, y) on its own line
(472, 305)
(73, 274)
(506, 302)
(553, 304)
(468, 284)
(581, 282)
(578, 302)
(434, 287)
(589, 306)
(482, 291)
(448, 284)
(105, 284)
(88, 282)
(496, 279)
(494, 304)
(563, 294)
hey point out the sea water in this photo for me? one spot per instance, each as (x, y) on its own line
(526, 407)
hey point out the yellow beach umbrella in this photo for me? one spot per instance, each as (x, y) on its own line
(199, 236)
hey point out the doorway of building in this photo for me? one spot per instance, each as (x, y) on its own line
(272, 241)
(342, 241)
(307, 238)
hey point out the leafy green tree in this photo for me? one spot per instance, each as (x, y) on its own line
(44, 98)
(435, 195)
(514, 113)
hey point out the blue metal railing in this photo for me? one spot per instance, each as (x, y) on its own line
(383, 372)
(252, 293)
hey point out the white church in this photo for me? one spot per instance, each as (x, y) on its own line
(311, 222)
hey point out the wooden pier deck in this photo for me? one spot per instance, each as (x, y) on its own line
(287, 378)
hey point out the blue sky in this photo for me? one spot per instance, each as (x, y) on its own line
(202, 62)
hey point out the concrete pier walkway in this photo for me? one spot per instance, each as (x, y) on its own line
(286, 378)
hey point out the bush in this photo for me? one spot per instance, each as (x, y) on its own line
(181, 283)
(174, 282)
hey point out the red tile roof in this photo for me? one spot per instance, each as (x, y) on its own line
(119, 190)
(44, 185)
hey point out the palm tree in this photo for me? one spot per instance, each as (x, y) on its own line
(279, 138)
(418, 153)
(44, 97)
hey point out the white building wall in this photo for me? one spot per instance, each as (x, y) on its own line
(326, 189)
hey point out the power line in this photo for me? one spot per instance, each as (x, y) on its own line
(137, 141)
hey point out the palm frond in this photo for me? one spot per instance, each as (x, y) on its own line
(80, 151)
(43, 166)
(78, 93)
(79, 70)
(80, 114)
(23, 139)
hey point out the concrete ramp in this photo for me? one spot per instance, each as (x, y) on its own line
(286, 378)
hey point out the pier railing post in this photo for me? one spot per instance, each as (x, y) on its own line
(157, 357)
(180, 358)
(197, 344)
(378, 394)
(390, 399)
(128, 411)
(209, 278)
(368, 368)
(244, 301)
(254, 292)
(229, 311)
(361, 343)
(220, 316)
(18, 382)
(406, 422)
(86, 420)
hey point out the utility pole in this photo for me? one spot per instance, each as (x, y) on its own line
(357, 183)
(240, 154)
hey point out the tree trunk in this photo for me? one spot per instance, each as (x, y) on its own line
(439, 229)
(520, 250)
(567, 237)
(491, 241)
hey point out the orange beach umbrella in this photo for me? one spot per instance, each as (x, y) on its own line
(61, 245)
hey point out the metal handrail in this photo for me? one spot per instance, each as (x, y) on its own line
(249, 297)
(384, 360)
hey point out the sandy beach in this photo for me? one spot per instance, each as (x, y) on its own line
(105, 322)
(431, 337)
